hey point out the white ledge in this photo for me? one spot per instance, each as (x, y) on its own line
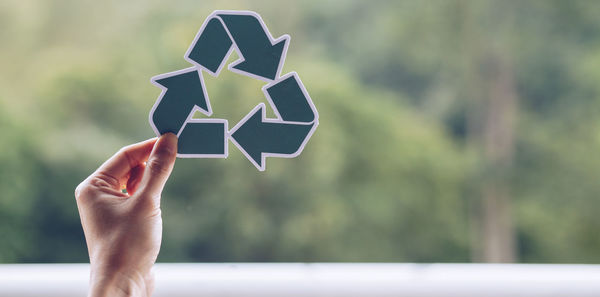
(347, 280)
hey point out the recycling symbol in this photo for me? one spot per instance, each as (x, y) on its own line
(260, 57)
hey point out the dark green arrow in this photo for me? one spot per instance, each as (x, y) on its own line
(211, 47)
(261, 57)
(290, 102)
(184, 91)
(202, 138)
(256, 137)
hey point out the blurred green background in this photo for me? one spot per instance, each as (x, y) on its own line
(450, 131)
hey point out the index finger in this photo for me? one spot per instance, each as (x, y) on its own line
(121, 163)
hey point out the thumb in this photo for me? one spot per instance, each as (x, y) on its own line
(159, 166)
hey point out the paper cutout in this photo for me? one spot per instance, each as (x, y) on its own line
(261, 57)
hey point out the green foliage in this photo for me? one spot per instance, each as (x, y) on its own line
(389, 174)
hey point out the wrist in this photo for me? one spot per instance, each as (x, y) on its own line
(104, 283)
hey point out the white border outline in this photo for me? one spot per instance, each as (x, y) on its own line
(215, 14)
(278, 120)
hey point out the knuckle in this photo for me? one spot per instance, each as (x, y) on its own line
(121, 151)
(89, 188)
(125, 152)
(82, 190)
(157, 167)
(78, 190)
(125, 148)
(103, 180)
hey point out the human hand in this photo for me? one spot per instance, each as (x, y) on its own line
(123, 231)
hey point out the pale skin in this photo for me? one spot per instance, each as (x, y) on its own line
(123, 231)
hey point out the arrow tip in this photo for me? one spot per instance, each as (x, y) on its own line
(264, 63)
(183, 84)
(247, 135)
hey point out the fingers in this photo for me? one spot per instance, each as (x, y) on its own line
(159, 166)
(126, 159)
(135, 176)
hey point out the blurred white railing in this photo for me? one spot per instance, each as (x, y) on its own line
(348, 280)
